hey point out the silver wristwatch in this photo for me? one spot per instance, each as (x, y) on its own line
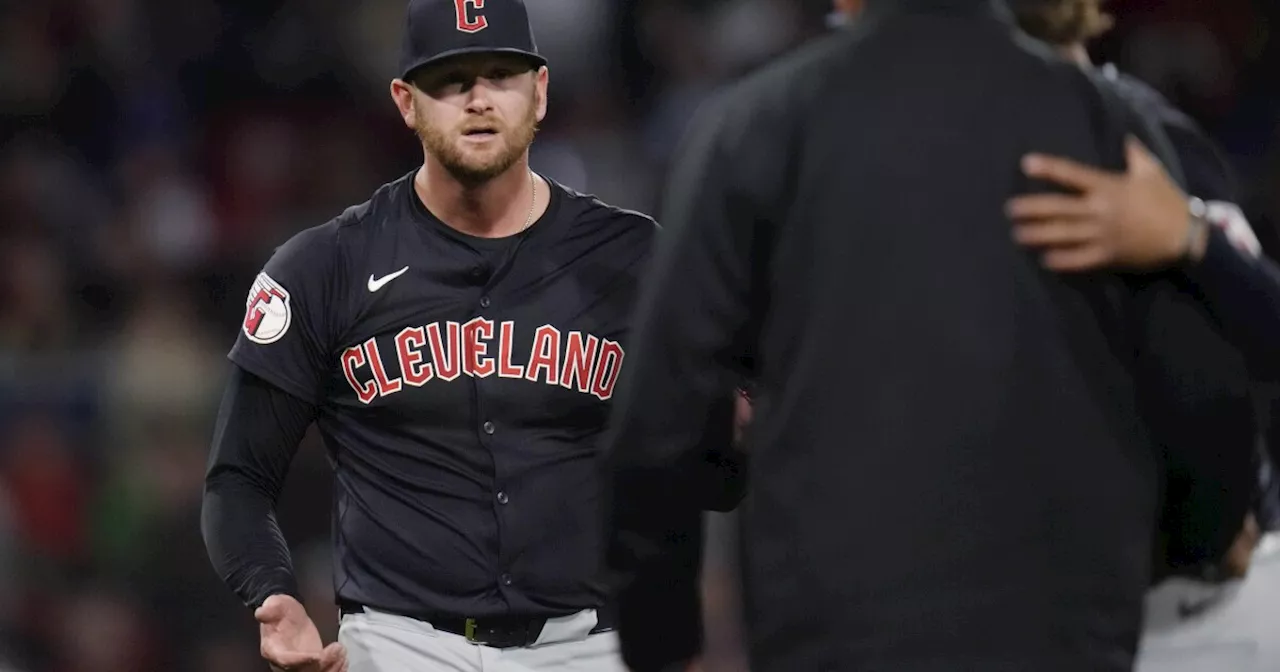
(1197, 223)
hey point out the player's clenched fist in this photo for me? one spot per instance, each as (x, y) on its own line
(290, 640)
(741, 417)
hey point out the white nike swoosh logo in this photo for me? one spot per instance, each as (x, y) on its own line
(375, 285)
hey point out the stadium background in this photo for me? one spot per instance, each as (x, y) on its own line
(153, 152)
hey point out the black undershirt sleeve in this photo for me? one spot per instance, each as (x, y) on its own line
(255, 438)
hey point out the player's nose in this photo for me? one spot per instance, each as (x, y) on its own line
(480, 98)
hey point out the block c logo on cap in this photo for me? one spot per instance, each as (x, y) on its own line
(470, 20)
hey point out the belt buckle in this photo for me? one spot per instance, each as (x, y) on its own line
(469, 630)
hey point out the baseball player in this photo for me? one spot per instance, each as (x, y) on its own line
(1209, 613)
(1226, 238)
(457, 339)
(1221, 253)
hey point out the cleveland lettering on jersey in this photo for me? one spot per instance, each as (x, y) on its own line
(523, 338)
(446, 351)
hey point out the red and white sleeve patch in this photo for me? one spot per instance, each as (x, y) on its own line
(1231, 219)
(268, 313)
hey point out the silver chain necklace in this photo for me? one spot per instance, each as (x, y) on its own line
(533, 203)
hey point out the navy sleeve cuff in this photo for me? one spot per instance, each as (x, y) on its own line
(281, 582)
(1243, 295)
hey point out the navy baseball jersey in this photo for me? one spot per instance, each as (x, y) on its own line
(462, 385)
(1202, 517)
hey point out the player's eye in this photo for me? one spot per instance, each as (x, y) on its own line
(497, 74)
(448, 83)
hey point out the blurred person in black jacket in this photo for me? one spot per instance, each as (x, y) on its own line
(954, 450)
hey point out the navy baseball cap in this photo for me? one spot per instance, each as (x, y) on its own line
(439, 29)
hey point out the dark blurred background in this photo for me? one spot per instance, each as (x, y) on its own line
(152, 153)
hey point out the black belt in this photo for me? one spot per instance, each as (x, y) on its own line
(500, 632)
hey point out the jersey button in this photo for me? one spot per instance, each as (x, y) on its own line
(503, 498)
(488, 427)
(506, 579)
(484, 302)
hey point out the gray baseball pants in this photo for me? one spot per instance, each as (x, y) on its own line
(382, 642)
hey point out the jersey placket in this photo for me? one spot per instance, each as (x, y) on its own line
(490, 429)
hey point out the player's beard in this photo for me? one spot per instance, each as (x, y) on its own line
(474, 168)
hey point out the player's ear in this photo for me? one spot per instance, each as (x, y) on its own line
(541, 79)
(402, 94)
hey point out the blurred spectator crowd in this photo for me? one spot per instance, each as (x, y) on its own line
(152, 153)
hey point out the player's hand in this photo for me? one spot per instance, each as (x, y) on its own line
(741, 418)
(1236, 562)
(1136, 220)
(290, 641)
